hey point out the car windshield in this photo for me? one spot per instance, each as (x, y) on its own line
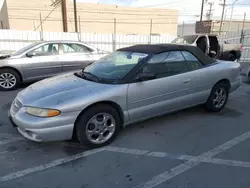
(185, 39)
(115, 65)
(22, 50)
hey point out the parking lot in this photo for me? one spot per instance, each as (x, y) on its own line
(190, 148)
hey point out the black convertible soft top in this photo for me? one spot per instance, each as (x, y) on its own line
(160, 48)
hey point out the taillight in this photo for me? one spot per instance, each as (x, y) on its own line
(241, 47)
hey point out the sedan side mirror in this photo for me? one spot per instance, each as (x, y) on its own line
(30, 54)
(145, 76)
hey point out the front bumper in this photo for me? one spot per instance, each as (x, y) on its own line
(11, 120)
(44, 129)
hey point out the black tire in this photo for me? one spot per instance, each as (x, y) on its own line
(209, 105)
(85, 117)
(15, 74)
(231, 57)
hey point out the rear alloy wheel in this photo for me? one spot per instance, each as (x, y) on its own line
(218, 97)
(98, 126)
(9, 79)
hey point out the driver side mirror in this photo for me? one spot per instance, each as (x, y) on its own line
(144, 76)
(31, 54)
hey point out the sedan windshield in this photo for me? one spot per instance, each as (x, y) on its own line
(115, 66)
(185, 39)
(22, 50)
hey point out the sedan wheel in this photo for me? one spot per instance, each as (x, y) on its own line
(9, 79)
(98, 126)
(231, 57)
(218, 97)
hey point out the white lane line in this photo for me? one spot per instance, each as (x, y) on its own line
(48, 165)
(126, 150)
(15, 139)
(169, 174)
(148, 153)
(180, 157)
(225, 162)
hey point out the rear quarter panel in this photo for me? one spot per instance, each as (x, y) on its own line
(203, 80)
(228, 48)
(231, 47)
(225, 70)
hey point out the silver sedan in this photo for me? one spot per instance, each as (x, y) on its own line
(127, 86)
(45, 59)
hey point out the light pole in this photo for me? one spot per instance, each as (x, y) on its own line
(222, 15)
(225, 19)
(230, 22)
(202, 7)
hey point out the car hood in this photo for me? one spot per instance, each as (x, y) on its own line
(61, 87)
(7, 57)
(4, 56)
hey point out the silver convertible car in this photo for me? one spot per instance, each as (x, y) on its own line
(45, 59)
(127, 86)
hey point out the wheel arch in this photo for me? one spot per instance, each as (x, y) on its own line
(225, 80)
(233, 52)
(14, 69)
(111, 103)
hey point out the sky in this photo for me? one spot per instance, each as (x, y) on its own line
(189, 10)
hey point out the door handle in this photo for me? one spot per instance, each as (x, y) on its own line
(186, 81)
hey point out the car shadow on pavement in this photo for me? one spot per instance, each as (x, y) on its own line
(169, 118)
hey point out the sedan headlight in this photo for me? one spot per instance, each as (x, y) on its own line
(42, 112)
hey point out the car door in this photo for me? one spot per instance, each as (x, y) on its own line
(167, 92)
(214, 50)
(44, 62)
(75, 56)
(202, 42)
(200, 79)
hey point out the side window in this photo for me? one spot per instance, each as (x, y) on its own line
(159, 58)
(192, 62)
(75, 48)
(167, 64)
(46, 50)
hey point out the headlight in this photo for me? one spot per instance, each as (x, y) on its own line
(42, 112)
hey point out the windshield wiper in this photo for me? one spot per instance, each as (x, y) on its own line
(90, 74)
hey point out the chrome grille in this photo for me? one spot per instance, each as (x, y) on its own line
(16, 106)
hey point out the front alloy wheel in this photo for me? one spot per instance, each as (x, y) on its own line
(97, 126)
(100, 128)
(7, 80)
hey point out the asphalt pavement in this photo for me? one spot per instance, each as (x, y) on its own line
(187, 149)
